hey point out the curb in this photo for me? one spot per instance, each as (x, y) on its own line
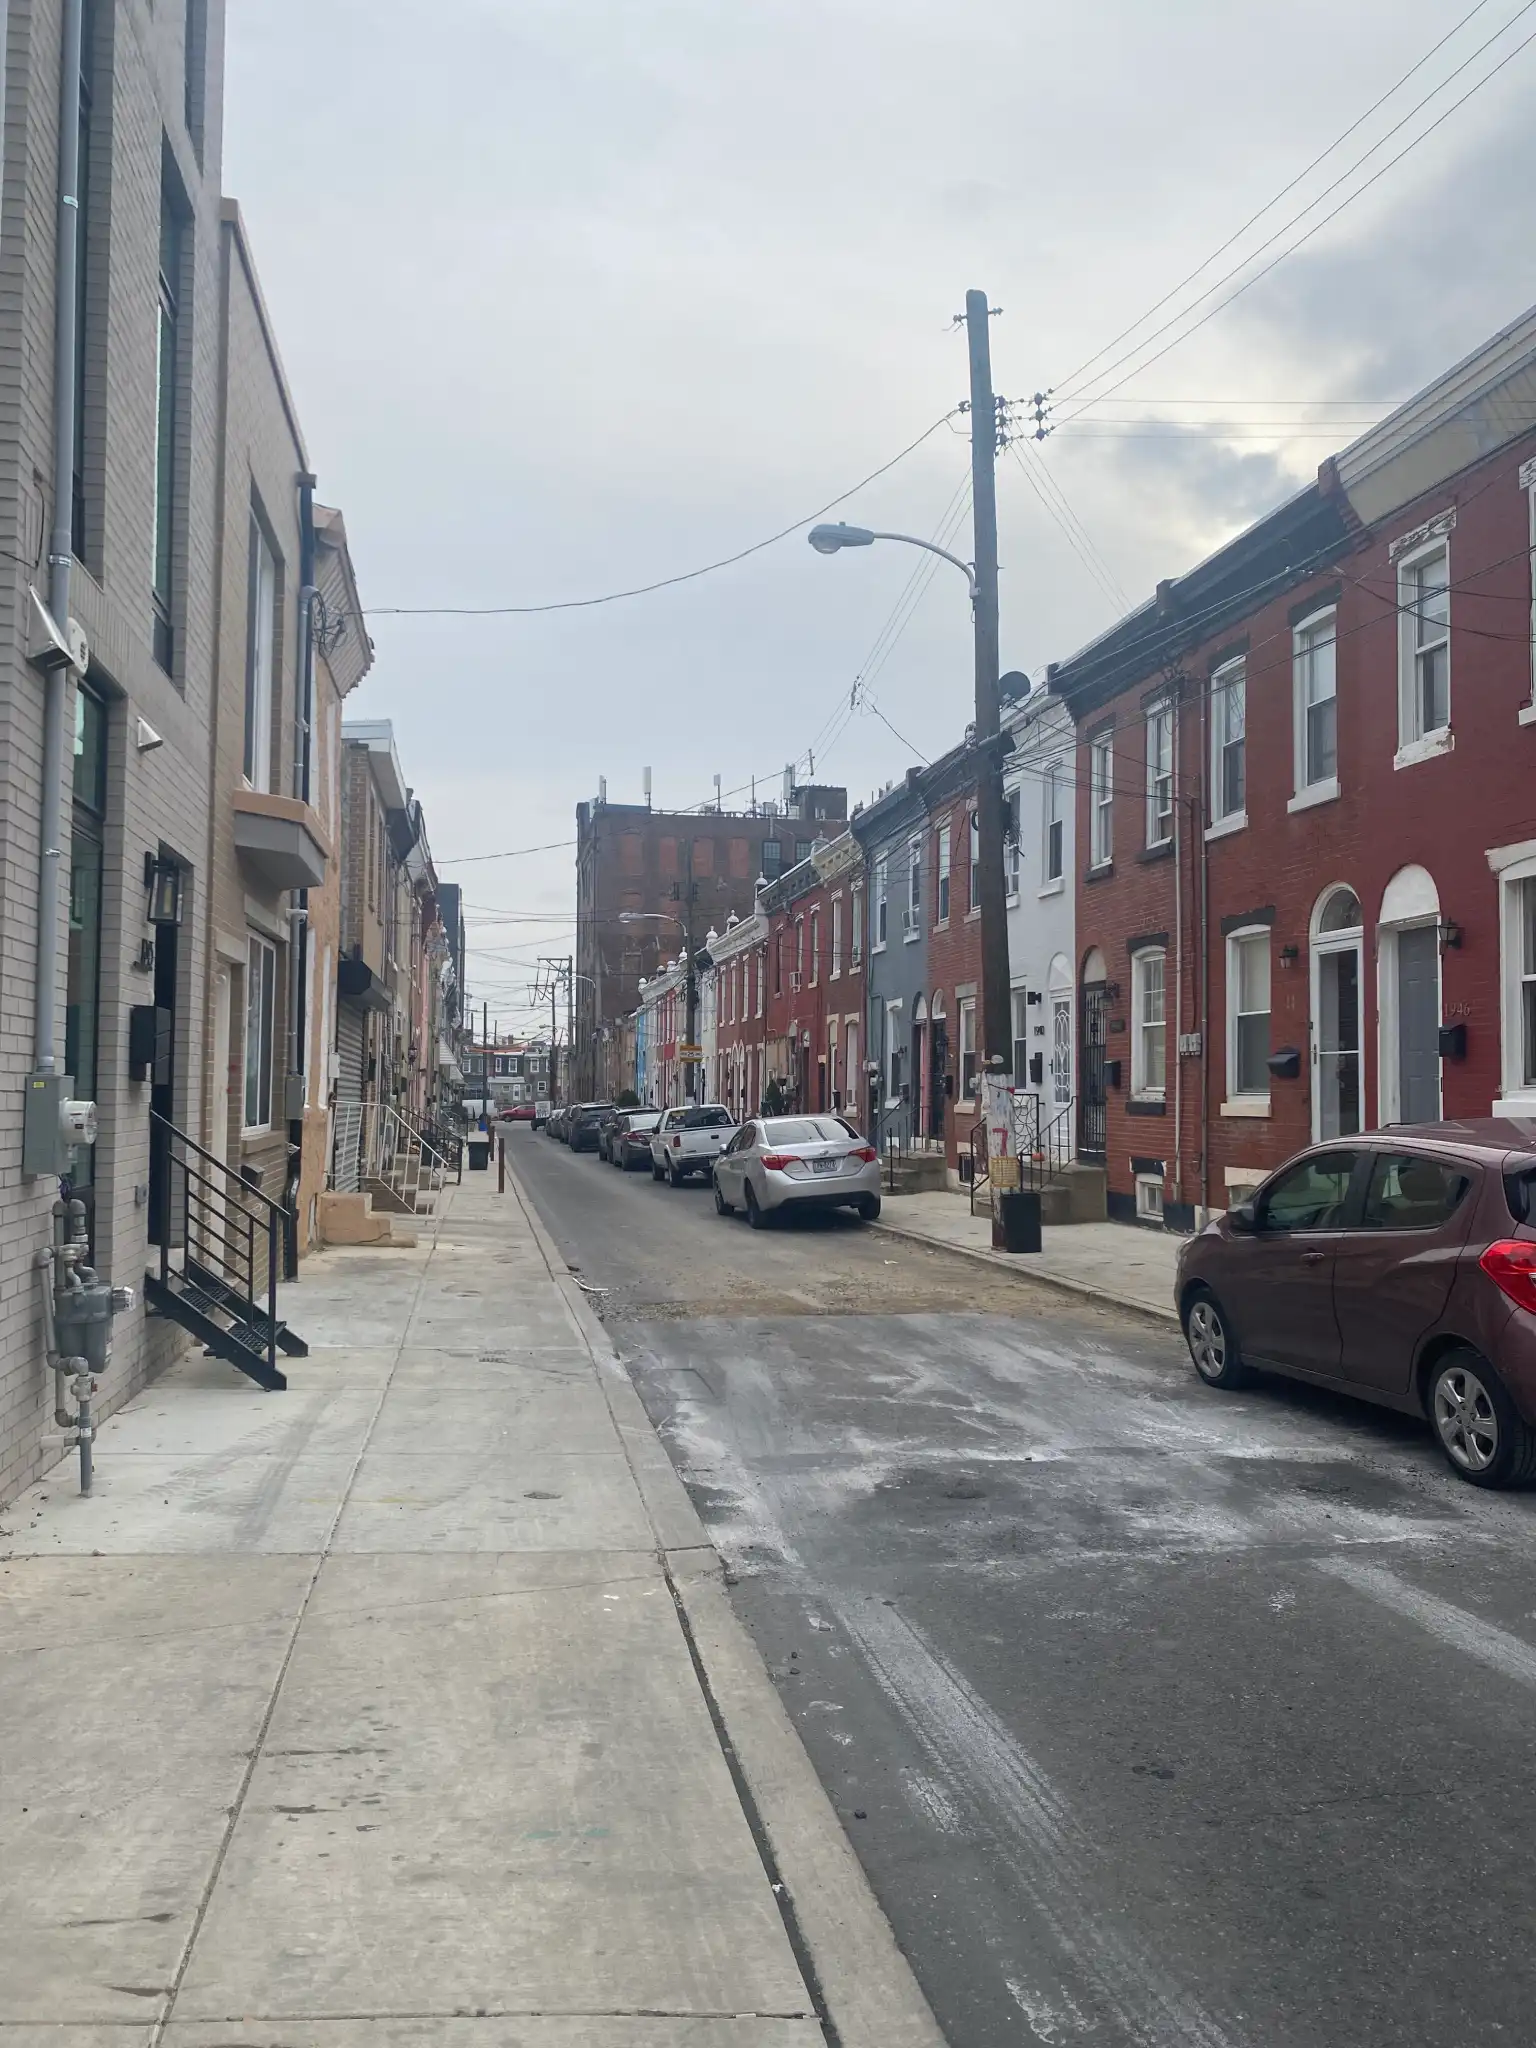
(864, 1984)
(1004, 1263)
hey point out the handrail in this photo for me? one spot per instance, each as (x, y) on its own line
(213, 1159)
(210, 1235)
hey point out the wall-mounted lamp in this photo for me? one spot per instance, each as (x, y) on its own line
(162, 880)
(1449, 933)
(1289, 955)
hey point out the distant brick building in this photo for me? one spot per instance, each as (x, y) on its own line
(633, 863)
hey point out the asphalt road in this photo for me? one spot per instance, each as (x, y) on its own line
(1155, 1715)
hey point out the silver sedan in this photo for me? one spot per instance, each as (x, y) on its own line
(797, 1162)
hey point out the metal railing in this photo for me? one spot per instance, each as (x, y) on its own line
(374, 1142)
(230, 1233)
(1041, 1143)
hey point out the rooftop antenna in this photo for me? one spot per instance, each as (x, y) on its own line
(647, 789)
(602, 789)
(789, 784)
(717, 793)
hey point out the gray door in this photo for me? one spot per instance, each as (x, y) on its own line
(1418, 1026)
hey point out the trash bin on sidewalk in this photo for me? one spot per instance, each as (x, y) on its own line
(479, 1154)
(1016, 1221)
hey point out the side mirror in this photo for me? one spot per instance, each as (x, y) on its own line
(1244, 1218)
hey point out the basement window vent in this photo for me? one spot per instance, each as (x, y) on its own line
(1149, 1198)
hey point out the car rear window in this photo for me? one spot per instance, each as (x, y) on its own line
(804, 1130)
(646, 1120)
(706, 1119)
(1520, 1193)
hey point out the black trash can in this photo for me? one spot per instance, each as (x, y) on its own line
(1016, 1221)
(480, 1155)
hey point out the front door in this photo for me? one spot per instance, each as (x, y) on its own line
(1282, 1274)
(162, 1094)
(1061, 1053)
(1336, 1043)
(938, 1068)
(1093, 1097)
(1394, 1272)
(1418, 1025)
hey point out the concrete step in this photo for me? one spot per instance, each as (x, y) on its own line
(1076, 1195)
(913, 1173)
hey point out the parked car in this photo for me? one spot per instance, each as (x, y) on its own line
(797, 1162)
(581, 1125)
(687, 1141)
(629, 1142)
(554, 1123)
(516, 1113)
(540, 1115)
(607, 1125)
(1399, 1266)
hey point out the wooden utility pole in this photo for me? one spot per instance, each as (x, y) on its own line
(995, 1008)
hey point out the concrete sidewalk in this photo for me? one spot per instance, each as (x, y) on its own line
(408, 1707)
(1112, 1262)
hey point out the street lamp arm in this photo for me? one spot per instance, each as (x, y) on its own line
(911, 540)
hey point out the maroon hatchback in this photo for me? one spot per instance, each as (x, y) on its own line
(1399, 1266)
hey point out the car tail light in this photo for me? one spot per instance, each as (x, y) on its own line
(677, 1144)
(777, 1161)
(865, 1152)
(1511, 1266)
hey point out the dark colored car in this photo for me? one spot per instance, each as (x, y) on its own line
(629, 1142)
(581, 1125)
(1399, 1266)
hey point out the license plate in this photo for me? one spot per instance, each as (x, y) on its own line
(825, 1165)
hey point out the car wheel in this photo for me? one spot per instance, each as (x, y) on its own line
(722, 1206)
(867, 1208)
(655, 1171)
(1477, 1425)
(755, 1215)
(1213, 1345)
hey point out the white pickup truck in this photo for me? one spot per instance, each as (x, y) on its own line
(689, 1141)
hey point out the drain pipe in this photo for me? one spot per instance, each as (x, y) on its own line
(60, 546)
(298, 911)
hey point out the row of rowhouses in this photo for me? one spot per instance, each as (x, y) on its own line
(1271, 862)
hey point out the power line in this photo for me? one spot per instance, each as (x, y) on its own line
(1317, 226)
(464, 860)
(576, 604)
(1078, 537)
(1274, 201)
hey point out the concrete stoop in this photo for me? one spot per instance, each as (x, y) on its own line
(914, 1173)
(1079, 1194)
(353, 1220)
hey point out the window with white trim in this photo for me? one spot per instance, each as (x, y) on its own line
(815, 947)
(260, 1008)
(1011, 846)
(1314, 673)
(1149, 1197)
(1102, 789)
(914, 886)
(1229, 741)
(881, 901)
(1020, 1037)
(1149, 1027)
(1248, 1015)
(1159, 774)
(941, 915)
(836, 967)
(855, 928)
(1055, 851)
(1424, 676)
(1520, 983)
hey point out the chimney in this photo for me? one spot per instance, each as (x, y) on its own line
(717, 793)
(602, 789)
(647, 789)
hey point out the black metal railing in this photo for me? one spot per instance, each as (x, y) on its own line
(446, 1139)
(1043, 1143)
(229, 1231)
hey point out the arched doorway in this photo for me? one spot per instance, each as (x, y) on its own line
(1408, 999)
(921, 1079)
(1337, 1037)
(1093, 1043)
(1059, 995)
(938, 1066)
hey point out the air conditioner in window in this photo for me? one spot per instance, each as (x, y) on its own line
(794, 981)
(909, 919)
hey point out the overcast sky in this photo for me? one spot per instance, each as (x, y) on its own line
(575, 294)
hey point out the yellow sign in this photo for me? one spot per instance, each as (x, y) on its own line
(690, 1052)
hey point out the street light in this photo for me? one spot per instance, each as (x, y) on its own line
(828, 540)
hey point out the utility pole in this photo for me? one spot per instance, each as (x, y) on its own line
(570, 1019)
(691, 986)
(995, 1017)
(485, 1060)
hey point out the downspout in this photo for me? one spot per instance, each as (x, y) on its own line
(60, 546)
(1205, 965)
(298, 907)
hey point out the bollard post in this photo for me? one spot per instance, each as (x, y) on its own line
(501, 1164)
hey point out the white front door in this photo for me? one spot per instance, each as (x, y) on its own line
(1336, 1035)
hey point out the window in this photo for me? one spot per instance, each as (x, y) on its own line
(973, 902)
(1149, 1043)
(1248, 1014)
(260, 993)
(914, 887)
(1409, 1191)
(799, 952)
(941, 915)
(1424, 599)
(260, 653)
(1020, 1037)
(759, 984)
(837, 939)
(1102, 788)
(166, 377)
(1061, 1050)
(1011, 847)
(1317, 722)
(893, 1050)
(968, 1047)
(1055, 852)
(773, 860)
(1149, 1198)
(194, 57)
(855, 928)
(1528, 485)
(1160, 775)
(815, 947)
(1310, 1196)
(881, 894)
(1229, 741)
(778, 963)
